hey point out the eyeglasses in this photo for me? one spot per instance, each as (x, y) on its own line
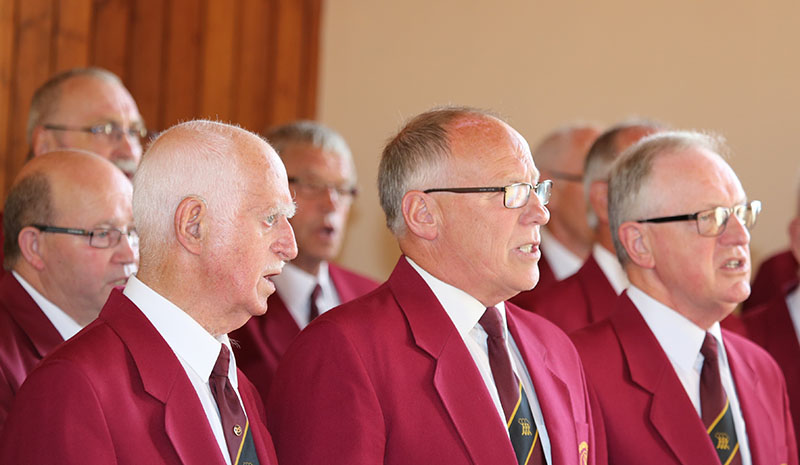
(111, 131)
(712, 222)
(566, 176)
(99, 238)
(312, 188)
(515, 195)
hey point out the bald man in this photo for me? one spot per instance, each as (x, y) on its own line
(153, 380)
(69, 240)
(567, 238)
(591, 293)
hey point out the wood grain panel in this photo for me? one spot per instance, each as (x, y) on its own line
(219, 53)
(7, 30)
(110, 35)
(181, 70)
(145, 59)
(34, 20)
(310, 56)
(287, 61)
(72, 22)
(254, 72)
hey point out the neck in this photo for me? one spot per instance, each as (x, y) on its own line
(573, 242)
(602, 236)
(82, 313)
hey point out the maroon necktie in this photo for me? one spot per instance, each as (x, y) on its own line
(519, 418)
(715, 408)
(234, 421)
(313, 309)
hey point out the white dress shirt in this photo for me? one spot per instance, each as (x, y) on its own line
(465, 311)
(294, 286)
(611, 268)
(681, 341)
(64, 324)
(793, 304)
(195, 347)
(562, 261)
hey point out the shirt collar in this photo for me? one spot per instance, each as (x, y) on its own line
(678, 336)
(295, 285)
(64, 324)
(562, 261)
(609, 265)
(463, 309)
(184, 335)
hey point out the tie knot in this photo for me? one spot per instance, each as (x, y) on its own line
(316, 292)
(221, 367)
(709, 347)
(492, 323)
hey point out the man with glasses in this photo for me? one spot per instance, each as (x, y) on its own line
(152, 380)
(69, 240)
(88, 109)
(434, 366)
(672, 386)
(567, 238)
(322, 179)
(590, 294)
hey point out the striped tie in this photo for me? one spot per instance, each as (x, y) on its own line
(519, 419)
(716, 409)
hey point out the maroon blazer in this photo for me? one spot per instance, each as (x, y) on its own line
(772, 279)
(26, 336)
(771, 327)
(648, 416)
(264, 339)
(116, 393)
(575, 302)
(546, 276)
(387, 379)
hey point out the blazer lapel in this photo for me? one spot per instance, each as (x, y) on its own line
(596, 285)
(552, 392)
(456, 379)
(23, 309)
(671, 414)
(164, 378)
(278, 326)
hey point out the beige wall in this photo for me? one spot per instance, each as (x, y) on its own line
(727, 66)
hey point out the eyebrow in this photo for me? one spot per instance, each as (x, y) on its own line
(287, 209)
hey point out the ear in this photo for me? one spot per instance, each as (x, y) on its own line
(794, 237)
(635, 239)
(190, 223)
(598, 199)
(40, 141)
(420, 212)
(30, 248)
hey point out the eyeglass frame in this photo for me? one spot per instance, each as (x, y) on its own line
(91, 234)
(317, 187)
(503, 189)
(109, 129)
(753, 205)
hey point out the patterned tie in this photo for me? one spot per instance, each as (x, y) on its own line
(313, 309)
(234, 422)
(714, 405)
(519, 419)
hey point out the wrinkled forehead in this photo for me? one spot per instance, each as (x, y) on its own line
(695, 179)
(91, 96)
(482, 144)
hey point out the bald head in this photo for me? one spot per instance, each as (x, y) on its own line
(561, 156)
(71, 110)
(212, 204)
(60, 207)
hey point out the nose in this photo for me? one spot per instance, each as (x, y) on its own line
(285, 246)
(125, 252)
(736, 233)
(535, 212)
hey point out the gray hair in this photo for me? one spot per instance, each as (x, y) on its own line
(194, 158)
(29, 202)
(628, 196)
(414, 158)
(46, 98)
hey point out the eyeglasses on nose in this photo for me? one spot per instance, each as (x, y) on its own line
(712, 222)
(111, 131)
(514, 195)
(99, 238)
(314, 188)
